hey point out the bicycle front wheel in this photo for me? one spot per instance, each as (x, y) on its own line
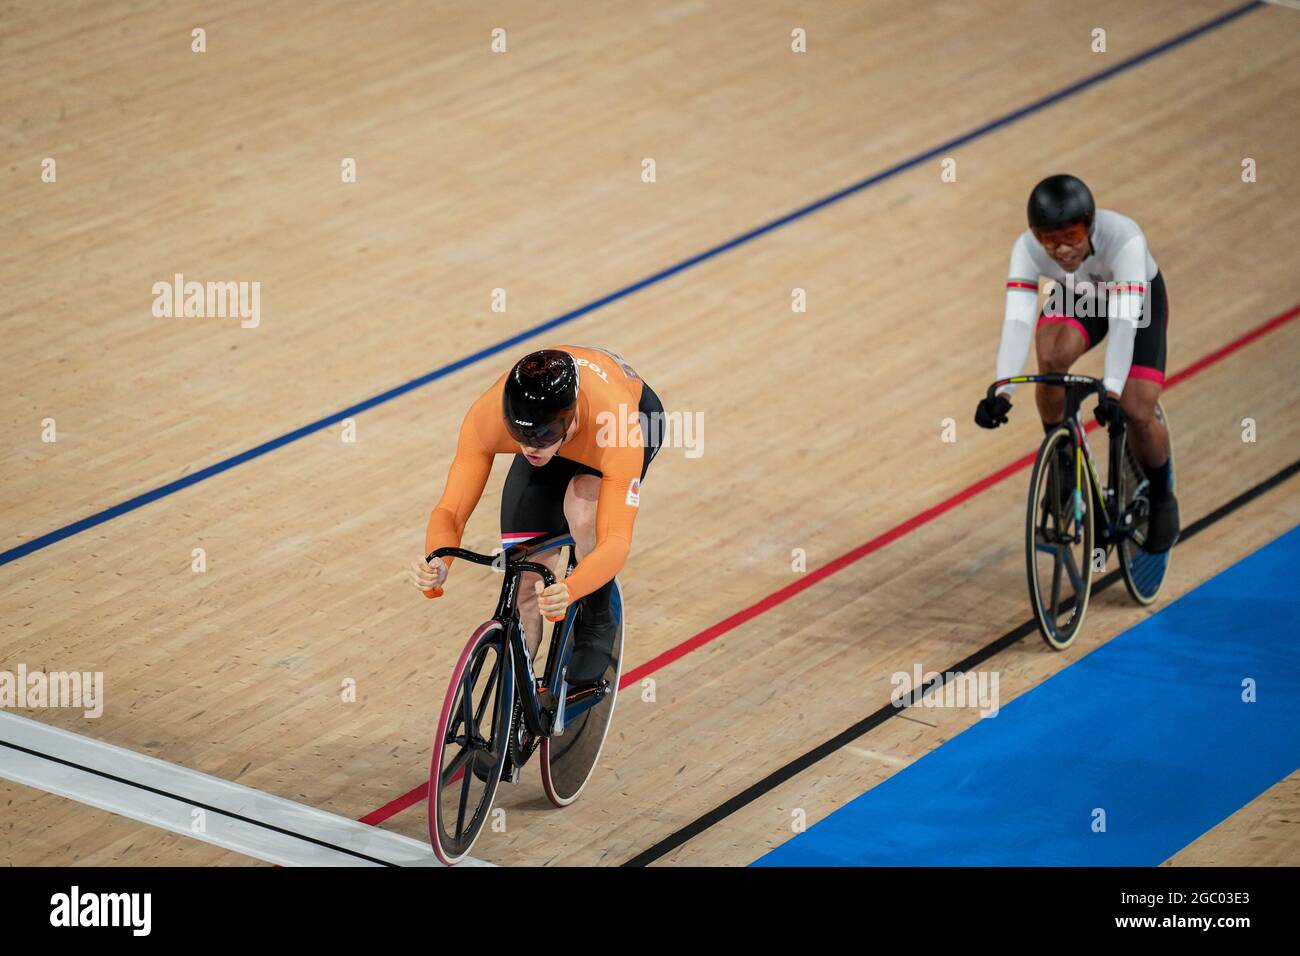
(470, 748)
(1058, 539)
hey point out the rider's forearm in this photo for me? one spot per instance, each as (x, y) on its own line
(1017, 334)
(442, 531)
(599, 567)
(1119, 354)
(1019, 313)
(469, 473)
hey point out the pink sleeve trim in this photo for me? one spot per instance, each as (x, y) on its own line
(1147, 374)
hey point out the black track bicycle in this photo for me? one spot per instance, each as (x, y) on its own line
(497, 712)
(1074, 522)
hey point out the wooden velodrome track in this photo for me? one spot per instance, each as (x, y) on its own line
(522, 171)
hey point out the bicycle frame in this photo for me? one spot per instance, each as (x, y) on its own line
(542, 712)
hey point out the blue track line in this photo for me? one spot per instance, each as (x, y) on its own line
(139, 501)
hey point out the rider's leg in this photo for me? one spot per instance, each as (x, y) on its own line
(580, 512)
(1149, 439)
(1060, 342)
(530, 618)
(1146, 434)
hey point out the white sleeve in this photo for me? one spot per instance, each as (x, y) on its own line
(1019, 315)
(1124, 311)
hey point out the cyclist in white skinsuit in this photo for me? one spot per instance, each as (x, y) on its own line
(1107, 284)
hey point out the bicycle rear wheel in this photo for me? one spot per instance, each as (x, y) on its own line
(568, 759)
(1058, 541)
(471, 743)
(1144, 573)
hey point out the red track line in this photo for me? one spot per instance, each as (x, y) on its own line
(1239, 342)
(394, 807)
(861, 551)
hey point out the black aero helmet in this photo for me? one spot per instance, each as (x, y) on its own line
(540, 398)
(1060, 201)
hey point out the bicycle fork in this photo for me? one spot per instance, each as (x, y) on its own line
(1100, 497)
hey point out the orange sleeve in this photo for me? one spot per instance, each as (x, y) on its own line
(616, 509)
(465, 482)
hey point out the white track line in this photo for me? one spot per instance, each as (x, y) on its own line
(164, 795)
(1293, 4)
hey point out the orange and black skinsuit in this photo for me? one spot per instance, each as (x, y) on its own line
(608, 442)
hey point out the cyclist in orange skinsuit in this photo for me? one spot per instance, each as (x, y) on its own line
(573, 417)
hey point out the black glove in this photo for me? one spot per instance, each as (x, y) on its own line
(1108, 411)
(992, 412)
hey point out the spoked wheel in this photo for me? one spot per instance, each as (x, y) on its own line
(471, 745)
(1144, 573)
(569, 758)
(1058, 541)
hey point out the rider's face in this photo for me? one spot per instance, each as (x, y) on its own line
(1068, 247)
(540, 456)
